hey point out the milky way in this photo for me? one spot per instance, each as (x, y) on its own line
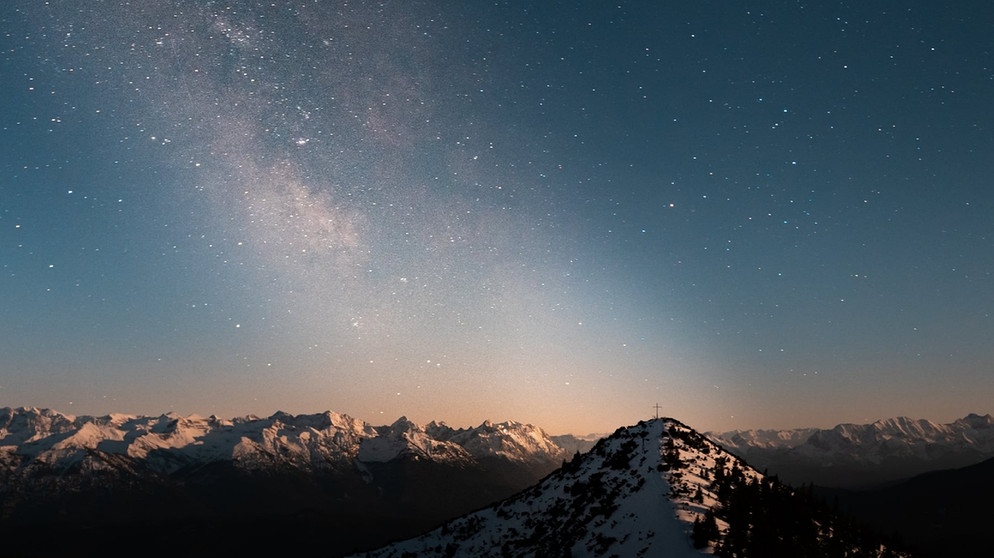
(561, 214)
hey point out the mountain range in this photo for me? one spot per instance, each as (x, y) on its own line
(167, 443)
(359, 484)
(197, 486)
(864, 455)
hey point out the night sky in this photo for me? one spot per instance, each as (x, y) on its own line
(767, 214)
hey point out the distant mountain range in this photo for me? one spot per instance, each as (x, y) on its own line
(864, 455)
(360, 484)
(929, 484)
(42, 438)
(198, 486)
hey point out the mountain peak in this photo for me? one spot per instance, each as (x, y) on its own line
(973, 420)
(658, 488)
(281, 416)
(404, 423)
(582, 508)
(508, 440)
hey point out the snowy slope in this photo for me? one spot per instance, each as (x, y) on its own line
(613, 501)
(647, 490)
(404, 439)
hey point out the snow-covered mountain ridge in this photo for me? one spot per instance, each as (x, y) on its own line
(655, 489)
(862, 454)
(899, 433)
(361, 485)
(169, 442)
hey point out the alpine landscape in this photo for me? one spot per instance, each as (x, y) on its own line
(333, 477)
(203, 485)
(496, 278)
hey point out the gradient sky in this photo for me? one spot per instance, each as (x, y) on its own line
(767, 214)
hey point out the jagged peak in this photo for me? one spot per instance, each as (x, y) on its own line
(117, 418)
(281, 416)
(974, 420)
(37, 411)
(41, 412)
(404, 425)
(438, 426)
(507, 428)
(903, 422)
(580, 506)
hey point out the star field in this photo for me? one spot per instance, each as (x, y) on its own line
(757, 216)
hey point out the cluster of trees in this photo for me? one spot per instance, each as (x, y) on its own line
(767, 518)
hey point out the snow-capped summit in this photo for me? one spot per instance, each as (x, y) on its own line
(405, 439)
(508, 440)
(18, 426)
(655, 489)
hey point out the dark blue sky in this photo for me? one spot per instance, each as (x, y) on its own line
(757, 215)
